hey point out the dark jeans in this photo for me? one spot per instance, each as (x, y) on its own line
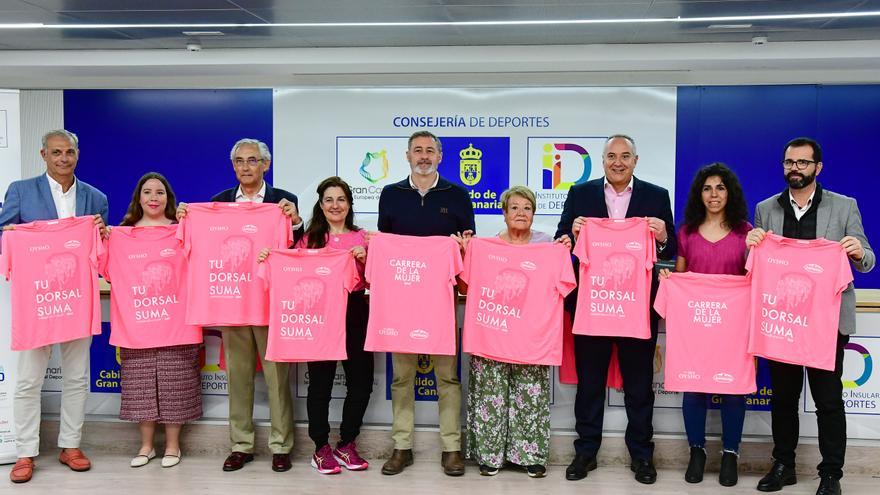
(358, 379)
(827, 390)
(733, 413)
(636, 358)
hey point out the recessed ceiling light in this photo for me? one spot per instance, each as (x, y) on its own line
(203, 33)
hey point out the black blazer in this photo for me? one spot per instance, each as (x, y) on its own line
(648, 200)
(273, 195)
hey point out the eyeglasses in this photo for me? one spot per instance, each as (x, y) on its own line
(798, 164)
(250, 161)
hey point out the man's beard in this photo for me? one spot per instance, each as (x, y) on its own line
(797, 180)
(425, 169)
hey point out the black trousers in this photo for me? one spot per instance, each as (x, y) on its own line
(636, 357)
(358, 379)
(827, 390)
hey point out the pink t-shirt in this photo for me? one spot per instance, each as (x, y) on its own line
(616, 257)
(346, 242)
(148, 300)
(412, 301)
(707, 333)
(514, 304)
(53, 268)
(308, 298)
(221, 241)
(796, 287)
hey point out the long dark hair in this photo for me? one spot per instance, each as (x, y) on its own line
(136, 211)
(318, 226)
(735, 213)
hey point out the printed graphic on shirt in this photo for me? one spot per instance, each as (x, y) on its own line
(231, 269)
(151, 300)
(785, 312)
(54, 294)
(302, 309)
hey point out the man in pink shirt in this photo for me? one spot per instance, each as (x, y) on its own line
(805, 210)
(618, 195)
(56, 194)
(250, 160)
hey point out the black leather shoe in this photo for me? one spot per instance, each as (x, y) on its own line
(579, 467)
(778, 477)
(728, 475)
(236, 461)
(828, 485)
(644, 469)
(696, 465)
(281, 463)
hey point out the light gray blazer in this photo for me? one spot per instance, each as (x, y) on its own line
(838, 216)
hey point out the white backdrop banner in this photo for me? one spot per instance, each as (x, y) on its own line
(10, 170)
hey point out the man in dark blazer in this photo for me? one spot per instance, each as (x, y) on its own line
(617, 195)
(52, 195)
(241, 345)
(804, 210)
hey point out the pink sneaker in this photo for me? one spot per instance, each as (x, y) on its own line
(323, 461)
(348, 456)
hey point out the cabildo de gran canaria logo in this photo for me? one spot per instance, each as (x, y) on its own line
(869, 366)
(368, 160)
(470, 167)
(551, 175)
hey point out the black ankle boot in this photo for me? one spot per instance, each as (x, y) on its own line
(696, 465)
(728, 475)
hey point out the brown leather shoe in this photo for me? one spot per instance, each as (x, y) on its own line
(281, 463)
(75, 459)
(453, 463)
(399, 460)
(23, 470)
(236, 461)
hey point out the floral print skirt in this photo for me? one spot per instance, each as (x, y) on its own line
(508, 413)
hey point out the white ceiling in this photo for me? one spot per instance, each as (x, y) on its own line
(324, 11)
(824, 50)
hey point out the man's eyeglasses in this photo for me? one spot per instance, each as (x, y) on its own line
(798, 164)
(250, 161)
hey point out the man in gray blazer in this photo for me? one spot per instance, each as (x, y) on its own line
(52, 195)
(807, 211)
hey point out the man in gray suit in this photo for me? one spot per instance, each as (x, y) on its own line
(807, 211)
(53, 195)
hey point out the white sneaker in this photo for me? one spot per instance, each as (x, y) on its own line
(142, 459)
(171, 460)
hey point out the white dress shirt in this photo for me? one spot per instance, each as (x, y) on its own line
(65, 202)
(798, 211)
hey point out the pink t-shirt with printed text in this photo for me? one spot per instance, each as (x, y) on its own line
(515, 295)
(345, 241)
(796, 288)
(308, 298)
(221, 241)
(616, 258)
(412, 300)
(707, 333)
(53, 268)
(147, 269)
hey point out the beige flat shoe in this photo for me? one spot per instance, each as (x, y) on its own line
(171, 460)
(142, 459)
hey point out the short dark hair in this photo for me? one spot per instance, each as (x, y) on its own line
(805, 141)
(429, 134)
(735, 213)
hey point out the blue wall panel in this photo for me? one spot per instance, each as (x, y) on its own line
(747, 127)
(184, 134)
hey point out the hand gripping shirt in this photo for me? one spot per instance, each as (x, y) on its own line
(221, 241)
(514, 304)
(53, 268)
(616, 258)
(412, 300)
(308, 298)
(707, 333)
(796, 288)
(147, 269)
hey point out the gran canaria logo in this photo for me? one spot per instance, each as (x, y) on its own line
(368, 160)
(470, 167)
